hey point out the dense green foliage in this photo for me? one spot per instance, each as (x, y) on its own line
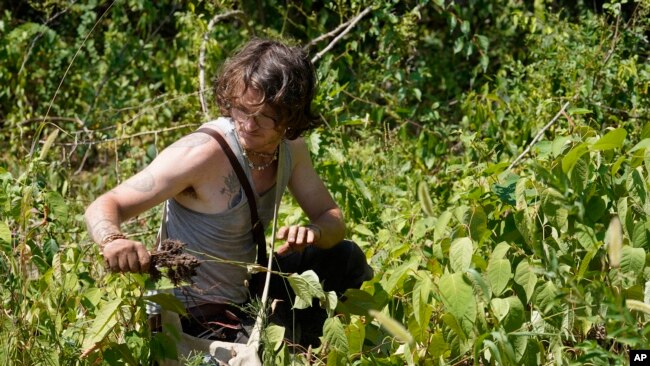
(482, 254)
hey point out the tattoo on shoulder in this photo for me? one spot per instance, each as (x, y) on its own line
(232, 189)
(191, 140)
(141, 182)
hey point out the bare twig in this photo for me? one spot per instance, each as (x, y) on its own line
(332, 33)
(539, 135)
(347, 29)
(206, 35)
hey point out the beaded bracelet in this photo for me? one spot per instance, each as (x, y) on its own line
(110, 238)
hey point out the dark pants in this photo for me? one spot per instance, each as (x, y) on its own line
(342, 267)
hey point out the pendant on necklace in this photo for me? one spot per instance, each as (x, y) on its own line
(260, 166)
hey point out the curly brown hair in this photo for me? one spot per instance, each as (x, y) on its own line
(283, 74)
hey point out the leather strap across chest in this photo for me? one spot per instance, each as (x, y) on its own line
(258, 228)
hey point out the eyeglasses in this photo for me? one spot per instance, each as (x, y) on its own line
(263, 121)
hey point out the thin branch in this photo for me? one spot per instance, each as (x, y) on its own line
(56, 92)
(206, 35)
(539, 135)
(346, 31)
(314, 41)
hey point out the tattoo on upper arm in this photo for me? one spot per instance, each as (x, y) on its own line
(232, 189)
(192, 140)
(142, 182)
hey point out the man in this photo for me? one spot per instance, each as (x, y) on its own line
(264, 93)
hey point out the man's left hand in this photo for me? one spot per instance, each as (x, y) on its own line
(297, 237)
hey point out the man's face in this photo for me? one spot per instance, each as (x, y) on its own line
(258, 127)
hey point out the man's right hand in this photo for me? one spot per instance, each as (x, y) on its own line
(124, 255)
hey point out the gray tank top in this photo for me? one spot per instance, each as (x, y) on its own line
(227, 235)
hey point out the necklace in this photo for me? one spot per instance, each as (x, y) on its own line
(260, 167)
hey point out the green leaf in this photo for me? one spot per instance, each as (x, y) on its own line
(612, 140)
(460, 254)
(643, 144)
(578, 111)
(425, 199)
(640, 235)
(458, 297)
(500, 251)
(334, 334)
(546, 297)
(393, 282)
(441, 226)
(477, 222)
(273, 335)
(306, 287)
(632, 259)
(554, 208)
(526, 278)
(479, 284)
(500, 308)
(395, 328)
(516, 315)
(5, 233)
(437, 346)
(104, 321)
(168, 302)
(499, 274)
(356, 334)
(357, 302)
(421, 293)
(569, 160)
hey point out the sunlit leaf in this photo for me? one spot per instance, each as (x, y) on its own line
(612, 140)
(499, 274)
(460, 254)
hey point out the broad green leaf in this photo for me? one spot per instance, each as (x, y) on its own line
(500, 308)
(104, 321)
(520, 194)
(425, 199)
(421, 293)
(569, 160)
(5, 232)
(460, 254)
(545, 299)
(498, 274)
(578, 111)
(640, 235)
(479, 284)
(395, 328)
(643, 144)
(516, 315)
(168, 302)
(500, 251)
(477, 222)
(580, 173)
(450, 320)
(441, 226)
(357, 302)
(273, 335)
(612, 140)
(437, 346)
(632, 259)
(58, 206)
(526, 278)
(398, 275)
(356, 334)
(555, 208)
(306, 287)
(334, 334)
(458, 297)
(584, 263)
(586, 236)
